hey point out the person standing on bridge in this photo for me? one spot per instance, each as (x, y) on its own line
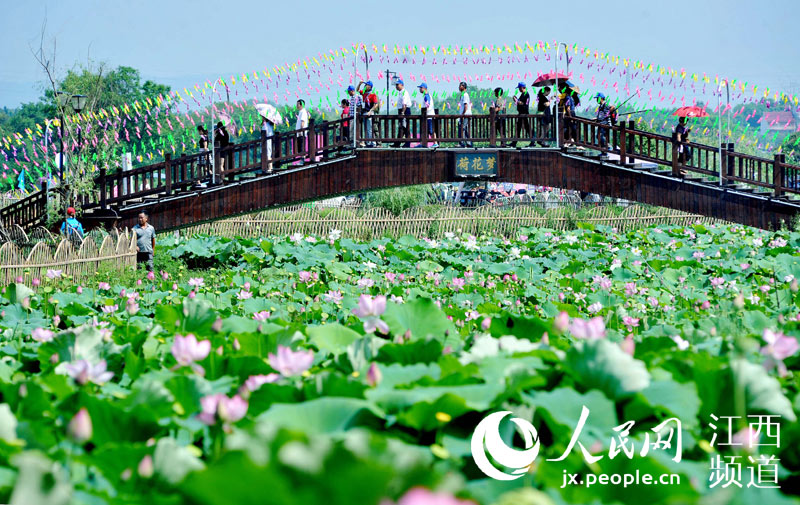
(356, 105)
(523, 109)
(268, 129)
(464, 110)
(543, 107)
(604, 118)
(499, 107)
(202, 144)
(371, 107)
(427, 104)
(145, 242)
(223, 138)
(300, 125)
(403, 109)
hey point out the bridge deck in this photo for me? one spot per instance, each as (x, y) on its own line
(319, 162)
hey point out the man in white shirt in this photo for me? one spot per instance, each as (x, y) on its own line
(268, 130)
(356, 109)
(301, 124)
(403, 109)
(464, 109)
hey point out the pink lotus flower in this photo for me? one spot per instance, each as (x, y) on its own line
(42, 335)
(390, 277)
(146, 468)
(256, 381)
(261, 316)
(151, 276)
(698, 255)
(472, 315)
(561, 322)
(164, 275)
(628, 345)
(778, 348)
(486, 323)
(219, 406)
(19, 280)
(595, 308)
(630, 322)
(370, 309)
(305, 277)
(744, 266)
(333, 297)
(717, 281)
(79, 290)
(187, 350)
(80, 426)
(82, 372)
(422, 496)
(374, 375)
(244, 295)
(289, 363)
(53, 274)
(747, 438)
(104, 286)
(36, 282)
(196, 282)
(132, 307)
(192, 294)
(108, 309)
(682, 344)
(457, 283)
(592, 329)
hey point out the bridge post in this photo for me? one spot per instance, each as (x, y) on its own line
(423, 134)
(312, 141)
(217, 158)
(631, 139)
(168, 171)
(724, 162)
(492, 130)
(778, 170)
(676, 166)
(102, 188)
(623, 143)
(730, 164)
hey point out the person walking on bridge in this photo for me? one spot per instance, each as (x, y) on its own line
(371, 107)
(523, 109)
(427, 104)
(403, 109)
(222, 137)
(145, 242)
(464, 110)
(202, 144)
(269, 130)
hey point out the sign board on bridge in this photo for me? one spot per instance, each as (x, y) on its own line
(476, 164)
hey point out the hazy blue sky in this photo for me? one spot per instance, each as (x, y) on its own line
(182, 42)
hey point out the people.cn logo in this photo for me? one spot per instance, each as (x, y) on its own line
(486, 441)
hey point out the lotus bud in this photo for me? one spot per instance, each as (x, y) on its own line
(486, 323)
(145, 468)
(80, 427)
(236, 345)
(738, 302)
(374, 375)
(217, 326)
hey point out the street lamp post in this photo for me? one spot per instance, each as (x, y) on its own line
(393, 78)
(78, 103)
(556, 131)
(719, 125)
(63, 99)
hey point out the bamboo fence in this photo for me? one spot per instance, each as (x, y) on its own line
(76, 259)
(434, 222)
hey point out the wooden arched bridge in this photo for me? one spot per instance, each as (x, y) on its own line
(321, 161)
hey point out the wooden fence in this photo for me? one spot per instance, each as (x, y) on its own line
(434, 222)
(76, 260)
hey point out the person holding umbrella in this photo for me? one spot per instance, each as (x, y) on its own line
(269, 118)
(682, 132)
(523, 109)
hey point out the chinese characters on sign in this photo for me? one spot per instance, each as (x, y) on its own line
(476, 164)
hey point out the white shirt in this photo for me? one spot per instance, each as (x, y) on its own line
(403, 99)
(302, 119)
(464, 104)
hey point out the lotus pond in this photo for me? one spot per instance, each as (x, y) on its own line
(321, 370)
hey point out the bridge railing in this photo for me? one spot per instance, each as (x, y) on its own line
(322, 140)
(493, 129)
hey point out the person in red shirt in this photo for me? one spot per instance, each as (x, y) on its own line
(371, 107)
(345, 115)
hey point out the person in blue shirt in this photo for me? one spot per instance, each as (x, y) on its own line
(71, 227)
(604, 118)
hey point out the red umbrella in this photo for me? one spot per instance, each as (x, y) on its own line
(549, 79)
(692, 111)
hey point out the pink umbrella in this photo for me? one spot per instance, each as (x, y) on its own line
(549, 79)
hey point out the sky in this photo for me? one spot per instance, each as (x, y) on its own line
(181, 43)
